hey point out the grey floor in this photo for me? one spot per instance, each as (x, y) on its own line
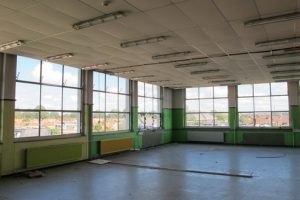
(276, 175)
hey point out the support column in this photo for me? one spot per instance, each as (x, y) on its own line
(178, 116)
(167, 115)
(134, 114)
(293, 94)
(231, 136)
(7, 80)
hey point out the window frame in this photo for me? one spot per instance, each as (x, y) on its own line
(144, 114)
(118, 93)
(40, 84)
(214, 113)
(252, 96)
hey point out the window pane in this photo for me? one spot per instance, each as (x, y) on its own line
(245, 90)
(111, 83)
(192, 120)
(123, 103)
(280, 119)
(99, 81)
(262, 104)
(206, 105)
(221, 119)
(262, 119)
(245, 105)
(206, 119)
(98, 122)
(26, 124)
(192, 105)
(98, 101)
(221, 105)
(148, 105)
(206, 92)
(262, 89)
(28, 69)
(111, 121)
(279, 88)
(124, 121)
(123, 85)
(50, 123)
(71, 123)
(156, 120)
(51, 98)
(111, 102)
(156, 91)
(192, 93)
(141, 121)
(51, 73)
(141, 104)
(141, 89)
(71, 76)
(246, 119)
(280, 103)
(149, 121)
(27, 96)
(71, 99)
(220, 91)
(148, 90)
(156, 105)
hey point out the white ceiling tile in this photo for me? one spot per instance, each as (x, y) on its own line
(147, 5)
(270, 7)
(193, 35)
(116, 5)
(17, 4)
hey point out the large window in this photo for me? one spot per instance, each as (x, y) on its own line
(206, 107)
(263, 105)
(48, 99)
(111, 103)
(149, 106)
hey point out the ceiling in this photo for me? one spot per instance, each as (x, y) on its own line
(212, 30)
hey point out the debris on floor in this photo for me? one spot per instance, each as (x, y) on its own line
(35, 174)
(99, 161)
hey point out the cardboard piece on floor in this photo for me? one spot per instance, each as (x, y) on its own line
(99, 161)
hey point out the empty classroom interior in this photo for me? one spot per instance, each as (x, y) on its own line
(149, 99)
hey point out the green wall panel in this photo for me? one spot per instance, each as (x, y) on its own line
(294, 110)
(167, 118)
(179, 135)
(178, 118)
(167, 136)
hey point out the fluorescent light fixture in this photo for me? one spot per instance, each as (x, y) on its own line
(293, 64)
(282, 55)
(159, 81)
(285, 71)
(205, 71)
(287, 77)
(10, 45)
(141, 77)
(278, 42)
(223, 81)
(98, 20)
(171, 55)
(143, 41)
(91, 67)
(215, 77)
(193, 64)
(124, 72)
(59, 56)
(272, 19)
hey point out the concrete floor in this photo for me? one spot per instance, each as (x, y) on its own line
(276, 176)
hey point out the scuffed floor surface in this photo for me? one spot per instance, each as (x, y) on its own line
(276, 174)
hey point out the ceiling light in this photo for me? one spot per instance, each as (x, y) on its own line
(171, 55)
(91, 67)
(286, 77)
(278, 42)
(223, 81)
(141, 77)
(159, 81)
(282, 55)
(59, 56)
(273, 19)
(205, 71)
(285, 71)
(215, 77)
(124, 72)
(10, 45)
(193, 64)
(98, 20)
(284, 65)
(143, 41)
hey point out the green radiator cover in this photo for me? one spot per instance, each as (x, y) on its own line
(53, 155)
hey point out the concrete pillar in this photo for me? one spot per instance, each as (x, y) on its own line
(294, 104)
(230, 137)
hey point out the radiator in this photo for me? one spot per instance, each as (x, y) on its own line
(53, 155)
(151, 138)
(115, 145)
(275, 139)
(205, 136)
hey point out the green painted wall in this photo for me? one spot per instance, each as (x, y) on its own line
(179, 132)
(167, 125)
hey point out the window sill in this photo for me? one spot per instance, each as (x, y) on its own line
(264, 128)
(46, 138)
(110, 133)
